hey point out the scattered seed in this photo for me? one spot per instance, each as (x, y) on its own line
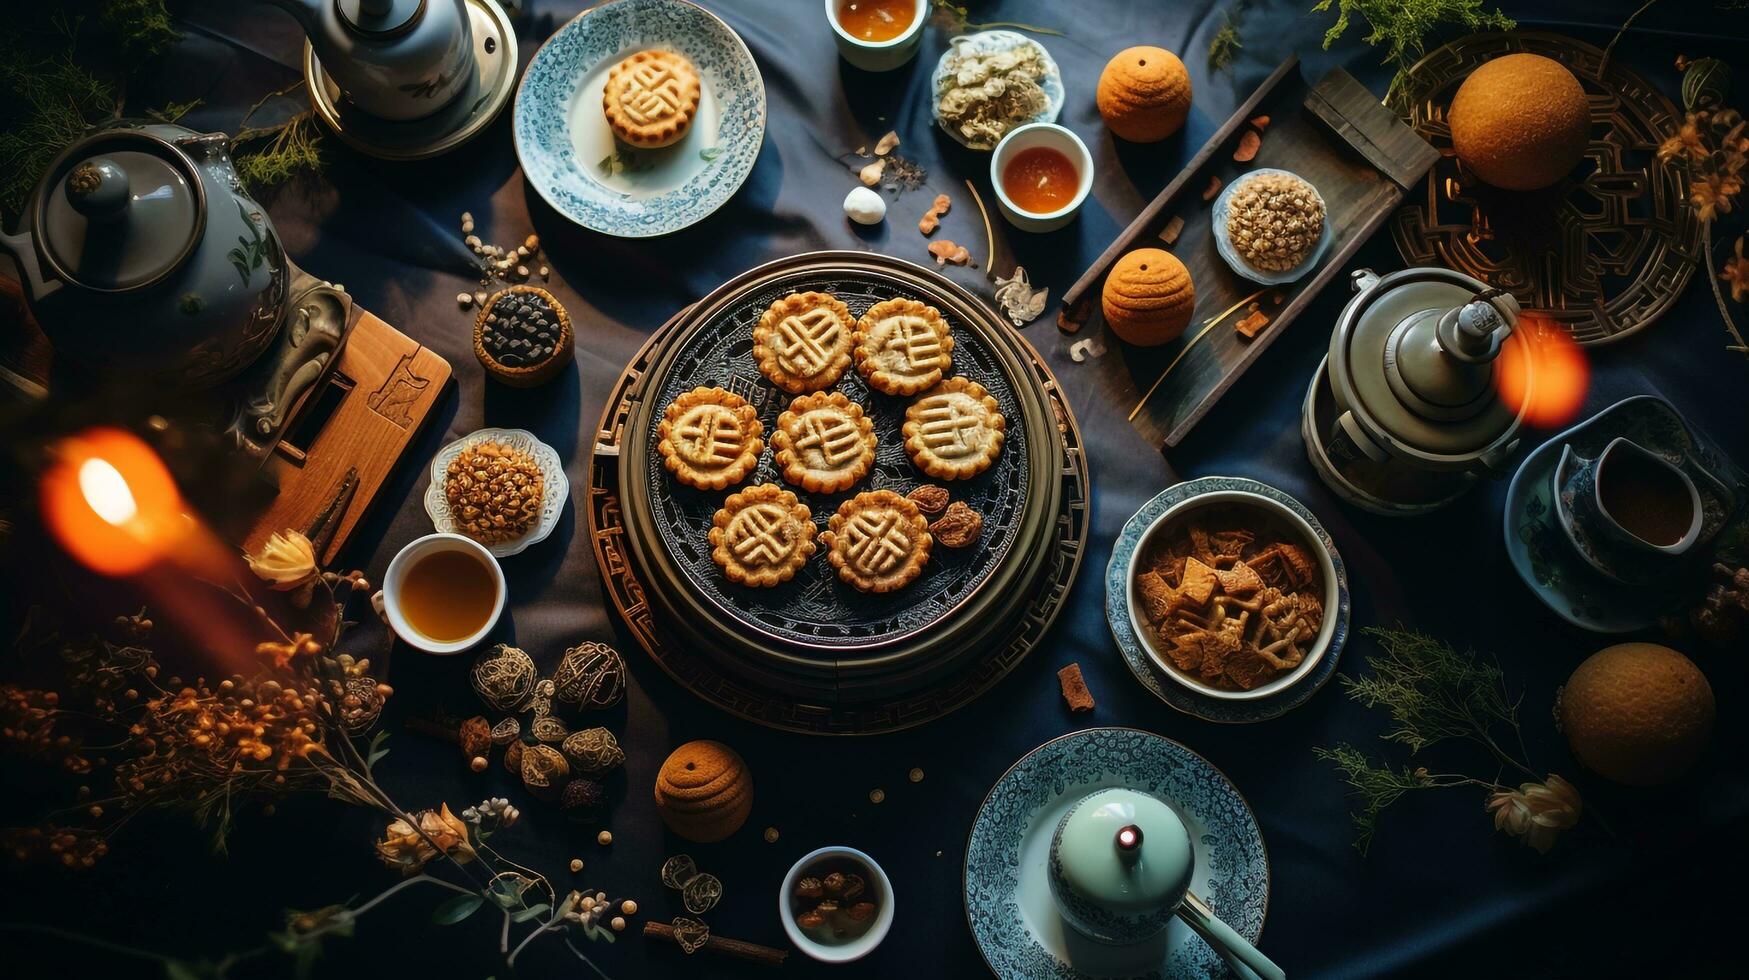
(545, 272)
(877, 795)
(576, 865)
(629, 907)
(532, 243)
(480, 297)
(771, 835)
(618, 924)
(604, 838)
(917, 775)
(465, 300)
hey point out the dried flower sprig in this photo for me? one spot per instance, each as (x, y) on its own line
(1403, 28)
(1712, 147)
(1435, 694)
(955, 18)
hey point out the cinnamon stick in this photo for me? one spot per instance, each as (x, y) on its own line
(752, 952)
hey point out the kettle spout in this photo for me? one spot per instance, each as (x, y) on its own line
(307, 12)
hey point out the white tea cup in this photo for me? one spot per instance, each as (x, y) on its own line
(395, 580)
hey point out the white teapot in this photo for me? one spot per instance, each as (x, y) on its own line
(393, 59)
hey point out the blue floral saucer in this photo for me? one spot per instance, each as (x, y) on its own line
(1117, 578)
(1009, 907)
(568, 152)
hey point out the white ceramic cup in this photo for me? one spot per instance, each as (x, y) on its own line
(1285, 515)
(861, 946)
(396, 576)
(1058, 138)
(879, 55)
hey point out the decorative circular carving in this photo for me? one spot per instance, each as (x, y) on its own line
(712, 678)
(1601, 255)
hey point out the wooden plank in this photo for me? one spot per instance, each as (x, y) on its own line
(1333, 137)
(392, 385)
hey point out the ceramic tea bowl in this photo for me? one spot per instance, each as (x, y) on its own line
(1064, 141)
(396, 576)
(1282, 515)
(1612, 542)
(880, 887)
(879, 55)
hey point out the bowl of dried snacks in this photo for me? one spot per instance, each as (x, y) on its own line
(1229, 594)
(503, 488)
(836, 904)
(1271, 226)
(989, 83)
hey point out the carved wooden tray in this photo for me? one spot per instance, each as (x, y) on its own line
(820, 657)
(1603, 255)
(1335, 135)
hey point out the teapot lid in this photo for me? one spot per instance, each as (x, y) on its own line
(1125, 852)
(119, 210)
(379, 17)
(1415, 354)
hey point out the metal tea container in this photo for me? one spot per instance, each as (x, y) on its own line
(1406, 413)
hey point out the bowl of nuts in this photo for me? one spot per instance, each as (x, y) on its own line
(501, 487)
(1270, 226)
(836, 904)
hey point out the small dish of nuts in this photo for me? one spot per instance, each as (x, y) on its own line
(836, 904)
(1271, 226)
(501, 487)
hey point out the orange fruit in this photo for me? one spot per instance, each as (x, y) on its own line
(1637, 713)
(704, 791)
(1148, 297)
(1144, 94)
(1520, 122)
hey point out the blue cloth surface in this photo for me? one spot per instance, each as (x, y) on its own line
(1441, 893)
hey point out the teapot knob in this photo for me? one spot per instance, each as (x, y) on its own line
(1474, 332)
(98, 188)
(1129, 843)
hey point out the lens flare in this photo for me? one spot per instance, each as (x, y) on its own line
(110, 502)
(1543, 372)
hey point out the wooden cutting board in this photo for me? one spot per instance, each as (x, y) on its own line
(362, 421)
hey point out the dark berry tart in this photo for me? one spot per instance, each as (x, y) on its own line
(523, 336)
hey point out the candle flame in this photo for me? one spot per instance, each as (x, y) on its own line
(106, 490)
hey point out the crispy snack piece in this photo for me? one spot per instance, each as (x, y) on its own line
(710, 438)
(650, 98)
(494, 492)
(824, 442)
(803, 341)
(903, 346)
(954, 431)
(929, 498)
(878, 541)
(1074, 686)
(762, 536)
(959, 527)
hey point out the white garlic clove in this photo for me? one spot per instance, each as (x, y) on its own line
(864, 206)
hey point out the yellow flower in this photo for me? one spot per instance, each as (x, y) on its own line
(1536, 812)
(286, 560)
(1686, 143)
(1737, 274)
(300, 645)
(1711, 195)
(407, 850)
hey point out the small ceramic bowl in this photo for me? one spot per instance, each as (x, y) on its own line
(856, 949)
(1058, 138)
(396, 576)
(556, 492)
(1224, 245)
(879, 55)
(1175, 516)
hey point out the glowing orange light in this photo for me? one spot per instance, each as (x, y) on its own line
(110, 501)
(1543, 372)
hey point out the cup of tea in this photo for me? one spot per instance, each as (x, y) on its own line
(443, 593)
(1628, 503)
(1041, 172)
(877, 35)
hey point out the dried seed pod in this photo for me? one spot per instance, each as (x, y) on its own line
(678, 870)
(959, 527)
(544, 770)
(854, 886)
(513, 757)
(834, 884)
(690, 934)
(702, 893)
(861, 911)
(592, 675)
(929, 498)
(475, 737)
(812, 919)
(810, 888)
(506, 731)
(504, 677)
(593, 751)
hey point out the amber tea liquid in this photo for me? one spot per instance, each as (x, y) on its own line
(1647, 500)
(1041, 180)
(876, 20)
(448, 595)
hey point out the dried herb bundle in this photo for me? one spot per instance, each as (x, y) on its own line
(1403, 28)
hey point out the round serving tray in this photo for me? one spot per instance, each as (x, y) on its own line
(957, 631)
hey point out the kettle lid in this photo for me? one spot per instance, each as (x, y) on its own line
(1415, 354)
(1124, 851)
(119, 210)
(379, 17)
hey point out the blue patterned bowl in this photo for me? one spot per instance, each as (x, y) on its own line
(1014, 918)
(568, 152)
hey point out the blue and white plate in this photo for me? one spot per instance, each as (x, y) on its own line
(1007, 885)
(1117, 613)
(567, 149)
(1224, 245)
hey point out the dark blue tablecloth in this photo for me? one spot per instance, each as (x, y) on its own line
(1440, 894)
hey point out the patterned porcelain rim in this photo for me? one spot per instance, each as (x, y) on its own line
(1117, 615)
(552, 506)
(1059, 786)
(545, 89)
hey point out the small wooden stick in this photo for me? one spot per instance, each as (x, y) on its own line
(752, 952)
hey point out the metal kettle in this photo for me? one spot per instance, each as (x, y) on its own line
(394, 59)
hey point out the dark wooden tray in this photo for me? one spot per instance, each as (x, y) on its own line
(1335, 134)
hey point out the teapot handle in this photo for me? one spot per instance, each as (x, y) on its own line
(22, 248)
